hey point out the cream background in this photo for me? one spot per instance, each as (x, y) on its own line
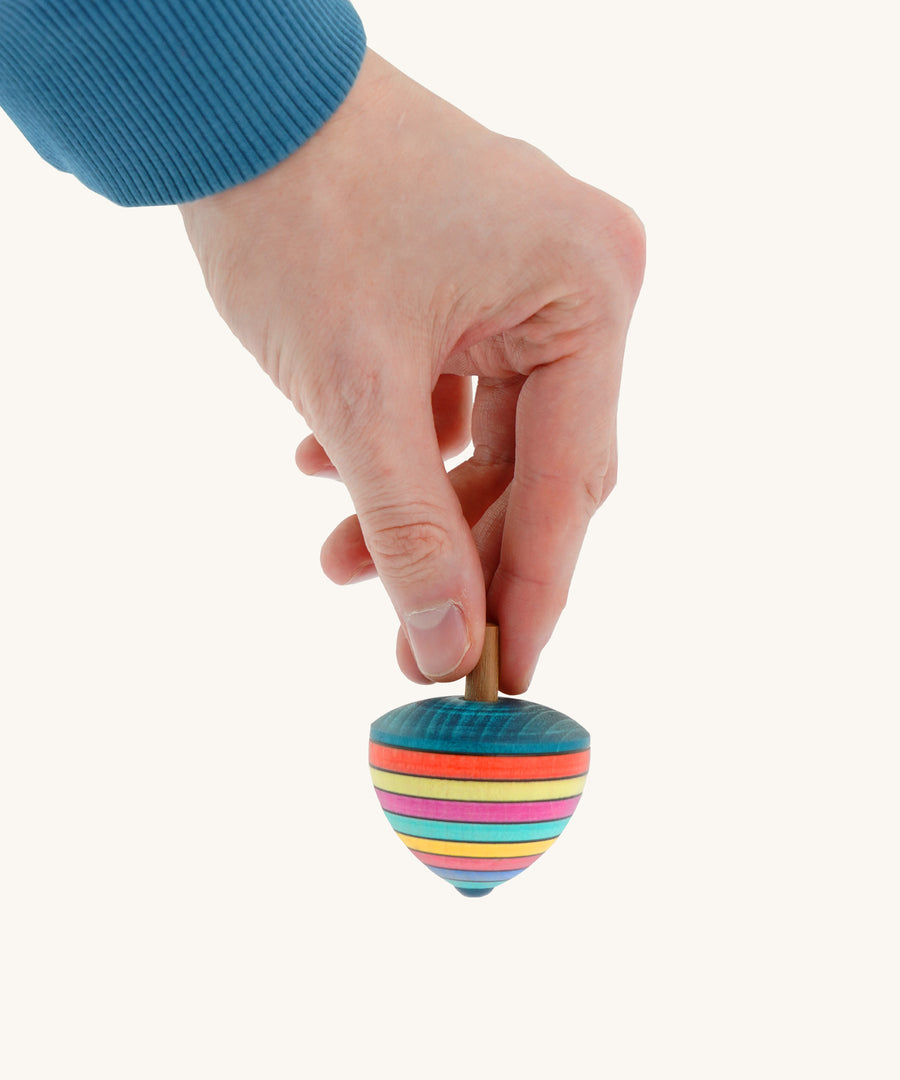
(195, 877)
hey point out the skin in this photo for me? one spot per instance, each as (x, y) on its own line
(403, 249)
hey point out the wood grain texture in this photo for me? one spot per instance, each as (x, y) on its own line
(483, 682)
(452, 725)
(477, 790)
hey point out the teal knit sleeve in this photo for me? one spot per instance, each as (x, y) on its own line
(164, 101)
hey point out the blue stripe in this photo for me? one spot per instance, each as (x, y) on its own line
(474, 876)
(518, 831)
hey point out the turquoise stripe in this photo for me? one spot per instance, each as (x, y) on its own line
(452, 725)
(519, 831)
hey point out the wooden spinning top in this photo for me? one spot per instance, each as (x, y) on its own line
(478, 787)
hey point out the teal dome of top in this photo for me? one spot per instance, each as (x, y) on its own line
(505, 726)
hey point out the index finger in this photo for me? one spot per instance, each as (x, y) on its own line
(565, 467)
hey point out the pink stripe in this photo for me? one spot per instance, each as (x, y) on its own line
(448, 810)
(462, 862)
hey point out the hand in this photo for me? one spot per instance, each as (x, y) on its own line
(400, 250)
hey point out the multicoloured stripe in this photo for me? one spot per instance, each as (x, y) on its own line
(478, 791)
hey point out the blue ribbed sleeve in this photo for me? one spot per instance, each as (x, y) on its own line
(164, 101)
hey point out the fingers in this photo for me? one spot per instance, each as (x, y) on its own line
(544, 460)
(479, 483)
(312, 460)
(345, 557)
(481, 480)
(488, 537)
(410, 523)
(451, 406)
(346, 560)
(487, 534)
(565, 468)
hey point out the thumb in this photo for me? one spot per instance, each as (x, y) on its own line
(415, 531)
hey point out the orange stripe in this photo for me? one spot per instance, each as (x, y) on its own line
(478, 766)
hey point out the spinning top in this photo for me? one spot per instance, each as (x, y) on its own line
(478, 787)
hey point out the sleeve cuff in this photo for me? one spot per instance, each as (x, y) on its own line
(165, 101)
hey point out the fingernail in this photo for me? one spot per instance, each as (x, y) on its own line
(362, 573)
(439, 639)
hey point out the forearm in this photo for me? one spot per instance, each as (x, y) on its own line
(164, 101)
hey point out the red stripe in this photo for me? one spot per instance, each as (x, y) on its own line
(463, 862)
(478, 766)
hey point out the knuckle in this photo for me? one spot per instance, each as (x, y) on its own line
(598, 490)
(595, 492)
(628, 241)
(407, 550)
(599, 485)
(583, 493)
(615, 246)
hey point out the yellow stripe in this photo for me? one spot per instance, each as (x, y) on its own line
(429, 787)
(459, 847)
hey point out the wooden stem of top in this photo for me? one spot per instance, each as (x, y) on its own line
(482, 683)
